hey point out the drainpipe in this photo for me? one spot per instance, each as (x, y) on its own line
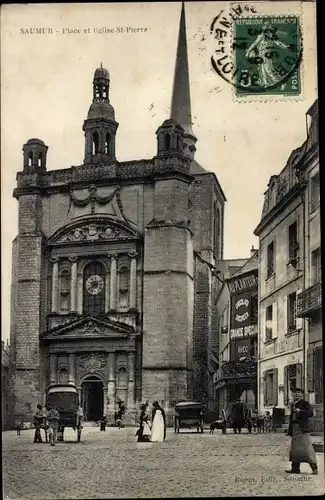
(305, 215)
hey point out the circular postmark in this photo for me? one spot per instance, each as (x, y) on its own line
(257, 53)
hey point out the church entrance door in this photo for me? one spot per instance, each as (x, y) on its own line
(92, 398)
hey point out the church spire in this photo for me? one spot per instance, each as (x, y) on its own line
(181, 97)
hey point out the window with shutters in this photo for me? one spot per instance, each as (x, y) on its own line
(293, 242)
(269, 324)
(316, 264)
(270, 264)
(271, 387)
(291, 312)
(310, 370)
(318, 375)
(293, 377)
(314, 192)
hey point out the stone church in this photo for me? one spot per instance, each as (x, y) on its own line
(113, 264)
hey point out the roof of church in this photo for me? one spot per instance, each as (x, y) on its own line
(101, 73)
(196, 168)
(101, 109)
(181, 97)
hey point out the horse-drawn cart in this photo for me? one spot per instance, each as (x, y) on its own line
(65, 399)
(188, 415)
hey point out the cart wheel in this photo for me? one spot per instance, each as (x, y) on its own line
(79, 435)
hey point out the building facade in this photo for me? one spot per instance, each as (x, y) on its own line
(283, 232)
(112, 265)
(236, 376)
(6, 387)
(309, 305)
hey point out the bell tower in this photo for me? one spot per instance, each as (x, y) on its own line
(100, 126)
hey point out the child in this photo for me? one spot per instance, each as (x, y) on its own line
(18, 427)
(146, 433)
(268, 422)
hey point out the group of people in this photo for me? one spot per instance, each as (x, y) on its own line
(46, 418)
(152, 427)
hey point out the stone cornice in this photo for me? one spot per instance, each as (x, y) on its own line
(291, 195)
(142, 171)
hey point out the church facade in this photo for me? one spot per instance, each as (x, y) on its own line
(112, 279)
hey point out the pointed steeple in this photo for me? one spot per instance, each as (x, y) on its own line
(181, 97)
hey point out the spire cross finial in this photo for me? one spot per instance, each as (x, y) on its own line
(101, 65)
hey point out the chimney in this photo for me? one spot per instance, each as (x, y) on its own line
(253, 250)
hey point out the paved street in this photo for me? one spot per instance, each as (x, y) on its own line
(113, 465)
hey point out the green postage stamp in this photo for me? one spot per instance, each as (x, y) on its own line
(267, 55)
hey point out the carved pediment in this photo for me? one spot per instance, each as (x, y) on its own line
(89, 328)
(93, 229)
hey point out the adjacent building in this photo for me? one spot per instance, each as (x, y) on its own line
(287, 238)
(236, 376)
(309, 305)
(112, 279)
(6, 383)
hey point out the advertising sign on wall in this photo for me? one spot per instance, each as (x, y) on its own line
(241, 349)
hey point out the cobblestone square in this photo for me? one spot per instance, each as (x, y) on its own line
(114, 465)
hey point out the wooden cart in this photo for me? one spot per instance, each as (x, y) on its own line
(188, 414)
(65, 399)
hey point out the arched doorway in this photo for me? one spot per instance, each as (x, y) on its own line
(92, 398)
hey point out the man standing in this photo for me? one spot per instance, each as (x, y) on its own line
(301, 449)
(53, 418)
(38, 420)
(239, 417)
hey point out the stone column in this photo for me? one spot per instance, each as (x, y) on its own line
(72, 368)
(107, 291)
(55, 284)
(53, 369)
(133, 281)
(131, 384)
(79, 292)
(105, 405)
(111, 384)
(113, 282)
(74, 278)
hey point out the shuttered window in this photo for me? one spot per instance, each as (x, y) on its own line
(310, 369)
(271, 387)
(318, 375)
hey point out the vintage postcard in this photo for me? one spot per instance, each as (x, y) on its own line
(161, 250)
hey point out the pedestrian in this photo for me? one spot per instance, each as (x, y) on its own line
(239, 417)
(18, 427)
(301, 449)
(38, 420)
(268, 422)
(119, 414)
(103, 423)
(53, 418)
(158, 429)
(143, 417)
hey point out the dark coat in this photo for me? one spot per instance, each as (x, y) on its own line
(163, 416)
(302, 417)
(238, 415)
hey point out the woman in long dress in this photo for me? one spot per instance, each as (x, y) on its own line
(301, 449)
(158, 429)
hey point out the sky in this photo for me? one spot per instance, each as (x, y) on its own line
(46, 90)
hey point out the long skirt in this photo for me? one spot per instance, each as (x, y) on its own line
(158, 428)
(301, 449)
